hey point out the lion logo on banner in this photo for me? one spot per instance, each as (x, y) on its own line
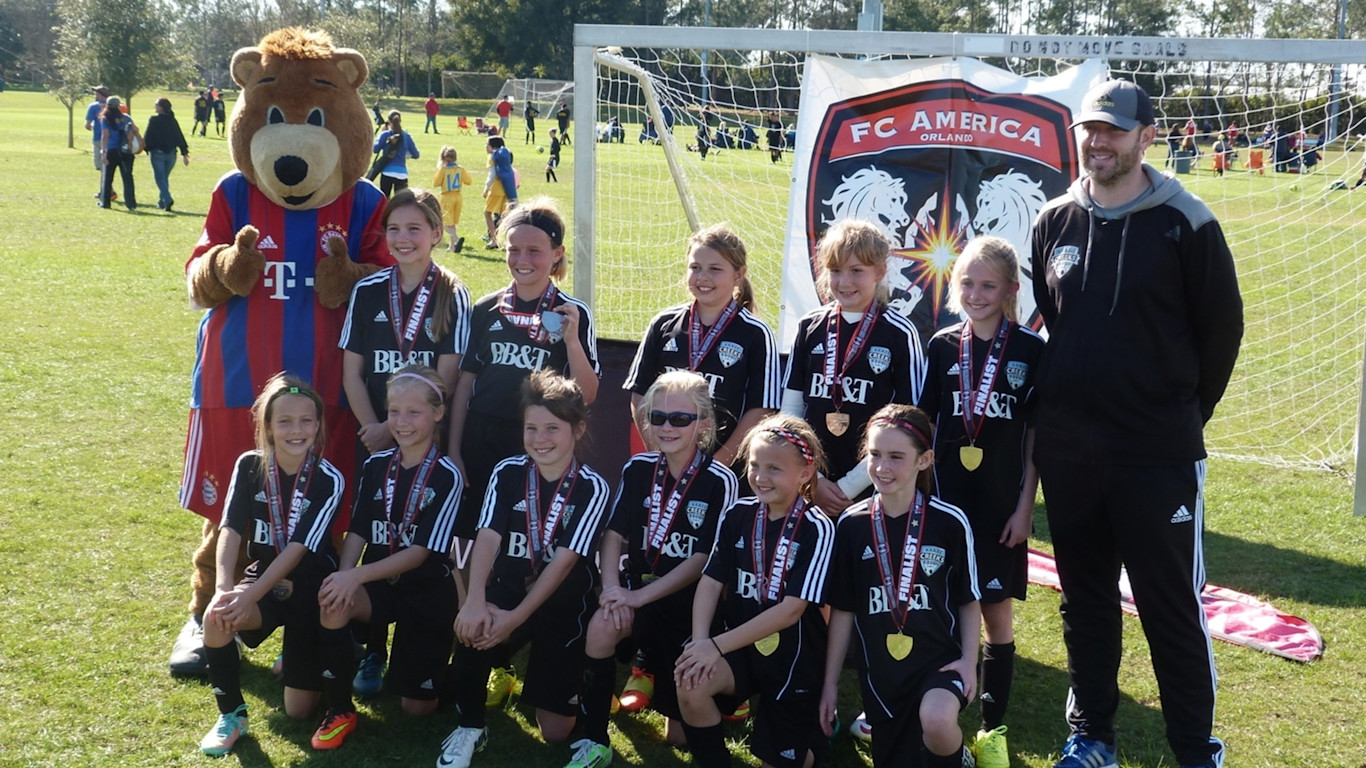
(1007, 205)
(873, 195)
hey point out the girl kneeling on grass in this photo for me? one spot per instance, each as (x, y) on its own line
(904, 574)
(281, 503)
(532, 575)
(767, 575)
(401, 532)
(664, 520)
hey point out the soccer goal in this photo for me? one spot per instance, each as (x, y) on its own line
(1286, 202)
(545, 95)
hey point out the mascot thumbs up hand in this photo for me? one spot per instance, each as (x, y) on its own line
(225, 271)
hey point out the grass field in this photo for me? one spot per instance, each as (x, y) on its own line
(94, 552)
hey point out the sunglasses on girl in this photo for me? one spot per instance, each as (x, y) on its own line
(679, 419)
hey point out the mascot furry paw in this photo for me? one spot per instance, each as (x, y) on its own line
(288, 233)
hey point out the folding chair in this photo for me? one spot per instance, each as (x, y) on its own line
(1254, 161)
(464, 124)
(479, 125)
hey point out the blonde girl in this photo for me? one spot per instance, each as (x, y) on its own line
(450, 180)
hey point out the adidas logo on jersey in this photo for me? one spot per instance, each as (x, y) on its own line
(381, 317)
(671, 345)
(268, 244)
(953, 370)
(788, 754)
(497, 325)
(741, 543)
(519, 506)
(327, 675)
(1182, 515)
(819, 350)
(867, 552)
(379, 494)
(260, 496)
(427, 685)
(994, 584)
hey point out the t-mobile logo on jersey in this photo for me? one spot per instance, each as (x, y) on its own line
(524, 356)
(877, 599)
(279, 276)
(999, 406)
(852, 390)
(390, 360)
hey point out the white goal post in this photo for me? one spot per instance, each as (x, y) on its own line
(1296, 237)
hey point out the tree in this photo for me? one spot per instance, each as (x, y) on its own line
(30, 37)
(530, 38)
(123, 44)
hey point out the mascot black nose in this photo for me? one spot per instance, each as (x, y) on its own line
(291, 170)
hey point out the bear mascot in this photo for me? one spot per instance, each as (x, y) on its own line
(286, 237)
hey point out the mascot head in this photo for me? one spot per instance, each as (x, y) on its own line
(300, 131)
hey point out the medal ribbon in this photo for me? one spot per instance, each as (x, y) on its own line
(698, 347)
(898, 594)
(414, 494)
(282, 528)
(531, 322)
(833, 359)
(539, 536)
(661, 522)
(772, 584)
(974, 399)
(405, 332)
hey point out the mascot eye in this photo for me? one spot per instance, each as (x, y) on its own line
(274, 115)
(315, 117)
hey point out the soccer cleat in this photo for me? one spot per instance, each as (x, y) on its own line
(493, 247)
(225, 733)
(187, 656)
(616, 704)
(589, 754)
(459, 245)
(740, 714)
(860, 729)
(334, 730)
(990, 748)
(502, 682)
(458, 749)
(369, 677)
(1081, 752)
(638, 691)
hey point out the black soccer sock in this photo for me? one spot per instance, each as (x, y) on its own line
(955, 760)
(470, 669)
(225, 676)
(337, 654)
(598, 680)
(998, 670)
(708, 746)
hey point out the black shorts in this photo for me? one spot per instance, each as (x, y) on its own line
(423, 616)
(1002, 572)
(557, 632)
(298, 614)
(898, 741)
(784, 729)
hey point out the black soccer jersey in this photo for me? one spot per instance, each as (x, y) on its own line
(798, 662)
(945, 580)
(692, 531)
(579, 524)
(989, 493)
(889, 369)
(741, 368)
(430, 526)
(369, 332)
(248, 513)
(502, 354)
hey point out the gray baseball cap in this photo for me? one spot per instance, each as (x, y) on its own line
(1117, 102)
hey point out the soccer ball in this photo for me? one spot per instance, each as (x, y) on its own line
(541, 150)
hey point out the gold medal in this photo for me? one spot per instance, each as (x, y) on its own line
(971, 456)
(837, 423)
(899, 646)
(282, 589)
(767, 645)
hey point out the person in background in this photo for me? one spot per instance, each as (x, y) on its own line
(394, 176)
(92, 124)
(432, 108)
(164, 138)
(201, 114)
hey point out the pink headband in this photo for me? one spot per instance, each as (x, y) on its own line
(796, 440)
(409, 375)
(906, 425)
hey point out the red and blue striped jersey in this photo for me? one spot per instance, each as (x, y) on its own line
(280, 326)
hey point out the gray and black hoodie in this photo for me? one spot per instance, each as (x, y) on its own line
(1144, 320)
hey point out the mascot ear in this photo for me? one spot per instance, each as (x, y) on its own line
(245, 64)
(352, 65)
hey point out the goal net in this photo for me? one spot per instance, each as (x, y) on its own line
(1295, 226)
(545, 95)
(470, 85)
